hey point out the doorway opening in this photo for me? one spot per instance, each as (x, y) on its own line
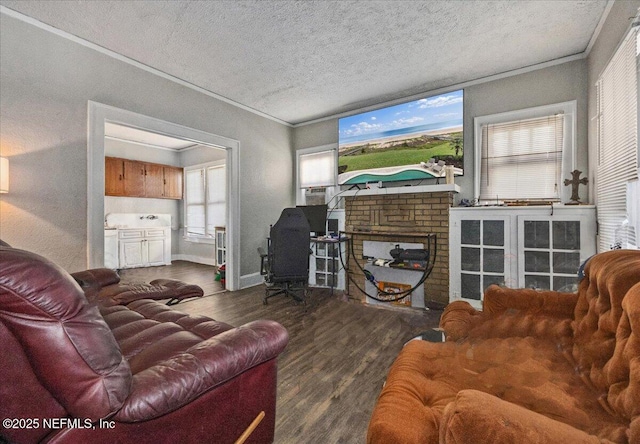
(111, 129)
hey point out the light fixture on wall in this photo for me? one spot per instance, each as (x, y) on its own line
(4, 175)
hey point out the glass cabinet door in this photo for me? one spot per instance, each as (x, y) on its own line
(483, 255)
(551, 255)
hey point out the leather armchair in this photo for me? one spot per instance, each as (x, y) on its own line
(74, 371)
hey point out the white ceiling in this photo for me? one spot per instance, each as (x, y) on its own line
(302, 60)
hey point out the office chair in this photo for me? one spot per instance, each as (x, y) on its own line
(285, 265)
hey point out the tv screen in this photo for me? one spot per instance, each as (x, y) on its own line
(412, 141)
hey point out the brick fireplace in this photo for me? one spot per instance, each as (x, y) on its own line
(426, 212)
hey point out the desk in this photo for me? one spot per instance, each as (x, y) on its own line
(325, 267)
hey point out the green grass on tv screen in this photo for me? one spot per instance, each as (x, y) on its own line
(398, 156)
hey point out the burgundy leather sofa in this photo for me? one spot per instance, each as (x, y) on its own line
(101, 284)
(78, 372)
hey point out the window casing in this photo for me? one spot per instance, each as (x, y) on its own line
(525, 154)
(316, 171)
(205, 206)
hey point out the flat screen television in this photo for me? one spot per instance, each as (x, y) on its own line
(412, 141)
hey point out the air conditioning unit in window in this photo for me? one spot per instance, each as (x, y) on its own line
(315, 196)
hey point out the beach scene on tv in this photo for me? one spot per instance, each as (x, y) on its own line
(417, 140)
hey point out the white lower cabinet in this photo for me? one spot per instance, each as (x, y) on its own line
(518, 247)
(144, 247)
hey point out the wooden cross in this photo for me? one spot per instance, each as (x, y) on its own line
(575, 183)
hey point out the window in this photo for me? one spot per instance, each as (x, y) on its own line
(316, 169)
(523, 155)
(205, 200)
(617, 102)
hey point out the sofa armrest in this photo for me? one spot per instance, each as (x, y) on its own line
(512, 312)
(498, 300)
(96, 277)
(458, 318)
(476, 416)
(177, 381)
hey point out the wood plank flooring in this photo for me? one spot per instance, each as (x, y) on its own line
(338, 355)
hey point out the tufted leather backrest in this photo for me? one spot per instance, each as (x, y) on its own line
(606, 328)
(62, 348)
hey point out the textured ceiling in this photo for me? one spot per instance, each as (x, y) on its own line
(302, 60)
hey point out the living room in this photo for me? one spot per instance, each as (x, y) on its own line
(56, 75)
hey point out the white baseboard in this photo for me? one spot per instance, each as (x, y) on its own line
(251, 280)
(195, 259)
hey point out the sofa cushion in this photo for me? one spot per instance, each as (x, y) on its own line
(478, 417)
(186, 355)
(70, 348)
(526, 371)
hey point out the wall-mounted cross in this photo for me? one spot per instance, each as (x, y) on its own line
(575, 183)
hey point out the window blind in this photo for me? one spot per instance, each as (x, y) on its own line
(194, 202)
(522, 159)
(617, 102)
(205, 200)
(317, 169)
(216, 198)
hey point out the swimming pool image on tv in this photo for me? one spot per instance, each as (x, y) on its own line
(409, 141)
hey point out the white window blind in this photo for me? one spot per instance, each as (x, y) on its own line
(205, 200)
(617, 102)
(194, 202)
(317, 169)
(522, 159)
(216, 214)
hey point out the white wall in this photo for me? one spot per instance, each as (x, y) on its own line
(559, 83)
(46, 82)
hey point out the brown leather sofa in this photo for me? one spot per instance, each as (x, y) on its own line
(78, 372)
(532, 367)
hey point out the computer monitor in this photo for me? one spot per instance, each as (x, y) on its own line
(317, 217)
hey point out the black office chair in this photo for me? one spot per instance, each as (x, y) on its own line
(285, 265)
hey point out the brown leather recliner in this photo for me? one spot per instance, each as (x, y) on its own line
(72, 371)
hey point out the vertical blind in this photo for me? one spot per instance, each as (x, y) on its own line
(317, 169)
(617, 102)
(522, 159)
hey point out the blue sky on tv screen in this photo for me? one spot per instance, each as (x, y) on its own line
(431, 113)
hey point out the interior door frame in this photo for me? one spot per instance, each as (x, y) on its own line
(98, 115)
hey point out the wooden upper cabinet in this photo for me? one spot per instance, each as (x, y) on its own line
(172, 182)
(154, 180)
(131, 178)
(113, 176)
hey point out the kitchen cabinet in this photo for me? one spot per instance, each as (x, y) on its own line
(132, 178)
(113, 176)
(153, 180)
(172, 182)
(144, 247)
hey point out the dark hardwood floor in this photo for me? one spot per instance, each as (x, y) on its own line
(339, 351)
